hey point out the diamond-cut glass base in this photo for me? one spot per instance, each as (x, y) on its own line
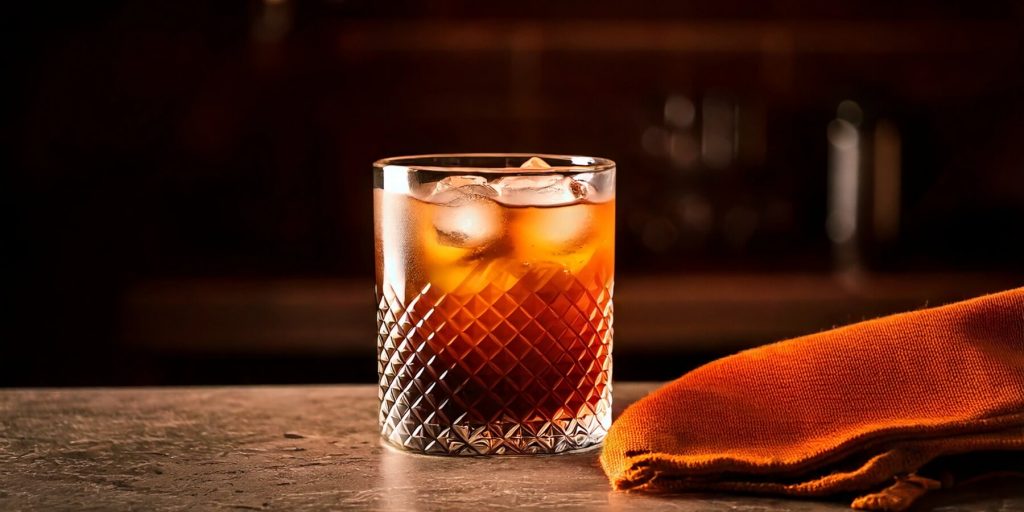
(520, 369)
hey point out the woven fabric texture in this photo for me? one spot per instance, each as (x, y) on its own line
(858, 409)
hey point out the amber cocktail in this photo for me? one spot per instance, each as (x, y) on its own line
(494, 302)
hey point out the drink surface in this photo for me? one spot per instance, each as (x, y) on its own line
(494, 321)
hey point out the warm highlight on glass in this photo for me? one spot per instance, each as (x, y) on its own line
(494, 302)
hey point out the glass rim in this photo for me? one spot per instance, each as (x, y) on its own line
(580, 163)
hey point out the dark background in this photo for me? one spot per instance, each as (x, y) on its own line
(188, 183)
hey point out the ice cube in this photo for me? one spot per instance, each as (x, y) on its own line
(547, 190)
(455, 190)
(535, 162)
(566, 236)
(557, 230)
(467, 220)
(584, 186)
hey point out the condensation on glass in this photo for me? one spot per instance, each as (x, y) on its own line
(494, 302)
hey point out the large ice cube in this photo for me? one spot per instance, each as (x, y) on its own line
(546, 190)
(465, 216)
(535, 162)
(558, 230)
(455, 190)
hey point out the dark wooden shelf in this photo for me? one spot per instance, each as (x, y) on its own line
(683, 313)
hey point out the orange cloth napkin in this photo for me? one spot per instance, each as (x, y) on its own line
(857, 409)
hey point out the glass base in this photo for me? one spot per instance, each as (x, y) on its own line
(501, 438)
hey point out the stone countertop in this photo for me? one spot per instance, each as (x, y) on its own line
(300, 448)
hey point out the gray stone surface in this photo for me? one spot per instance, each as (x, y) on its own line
(297, 448)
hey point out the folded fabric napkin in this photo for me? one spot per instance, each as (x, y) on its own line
(854, 410)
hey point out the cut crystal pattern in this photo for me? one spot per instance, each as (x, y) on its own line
(521, 368)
